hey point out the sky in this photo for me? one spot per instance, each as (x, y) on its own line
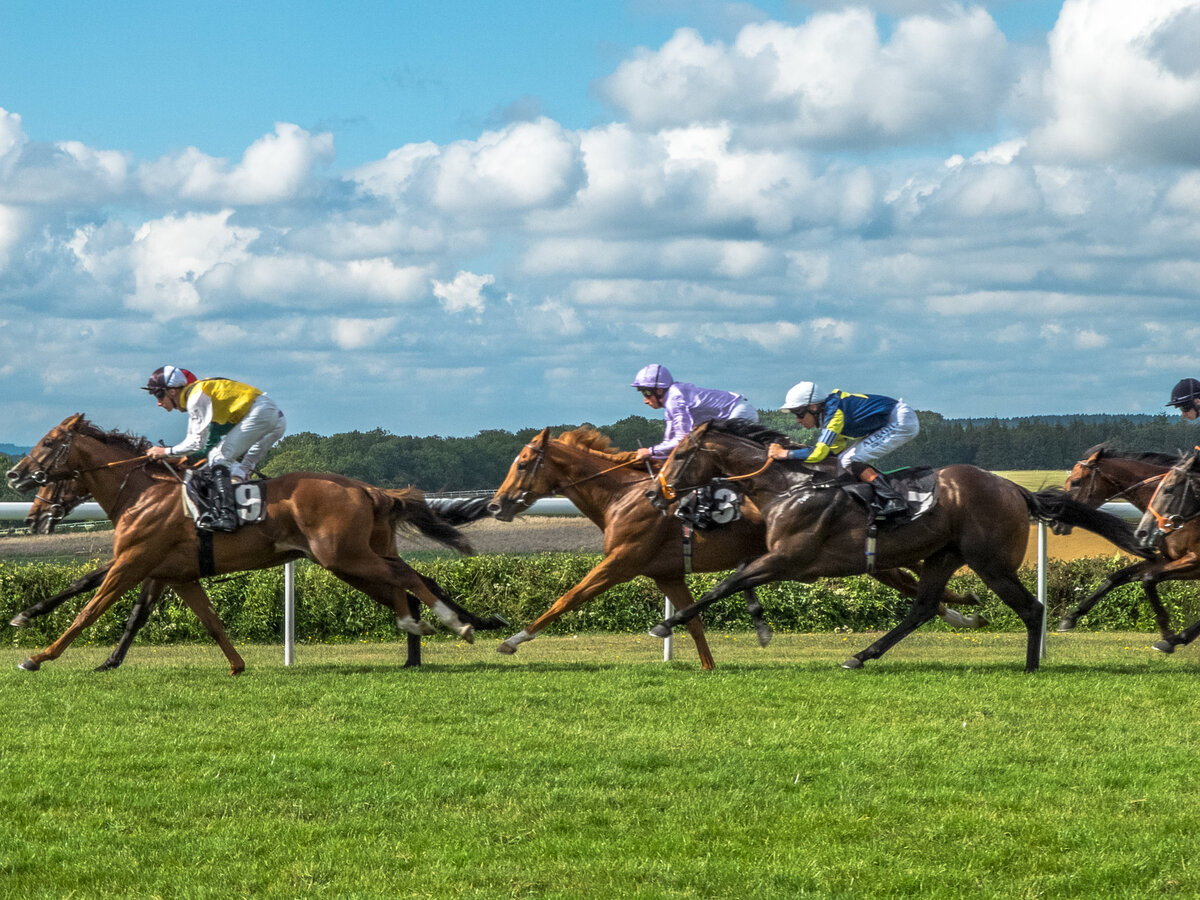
(440, 218)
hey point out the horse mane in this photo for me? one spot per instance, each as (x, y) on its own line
(1146, 456)
(744, 428)
(591, 440)
(122, 440)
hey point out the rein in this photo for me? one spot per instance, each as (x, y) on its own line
(669, 492)
(1167, 524)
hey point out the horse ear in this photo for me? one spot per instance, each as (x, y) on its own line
(1094, 458)
(545, 435)
(71, 421)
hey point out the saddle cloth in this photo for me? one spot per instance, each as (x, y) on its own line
(249, 500)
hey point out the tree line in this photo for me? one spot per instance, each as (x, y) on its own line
(480, 462)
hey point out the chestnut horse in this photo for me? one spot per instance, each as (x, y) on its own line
(815, 529)
(1103, 475)
(346, 526)
(605, 486)
(54, 501)
(1170, 524)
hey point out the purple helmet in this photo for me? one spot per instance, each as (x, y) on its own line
(653, 376)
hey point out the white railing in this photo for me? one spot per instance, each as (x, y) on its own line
(547, 506)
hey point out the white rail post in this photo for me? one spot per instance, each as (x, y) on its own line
(1041, 579)
(668, 611)
(289, 613)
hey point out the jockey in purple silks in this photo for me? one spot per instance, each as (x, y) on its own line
(685, 406)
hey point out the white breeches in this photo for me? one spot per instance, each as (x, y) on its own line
(901, 428)
(244, 446)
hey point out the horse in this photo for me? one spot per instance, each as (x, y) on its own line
(346, 526)
(54, 501)
(639, 539)
(815, 529)
(1169, 524)
(1105, 474)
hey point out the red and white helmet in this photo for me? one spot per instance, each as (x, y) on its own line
(653, 376)
(168, 377)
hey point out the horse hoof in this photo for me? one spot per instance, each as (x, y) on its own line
(20, 620)
(661, 631)
(1066, 625)
(106, 666)
(852, 663)
(467, 633)
(977, 621)
(764, 635)
(424, 629)
(29, 665)
(1165, 647)
(507, 649)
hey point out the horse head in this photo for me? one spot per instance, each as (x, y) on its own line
(526, 481)
(1175, 503)
(47, 461)
(52, 503)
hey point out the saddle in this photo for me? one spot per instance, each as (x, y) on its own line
(917, 486)
(201, 501)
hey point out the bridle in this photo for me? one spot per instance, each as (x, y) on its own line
(540, 458)
(670, 492)
(1093, 467)
(1168, 523)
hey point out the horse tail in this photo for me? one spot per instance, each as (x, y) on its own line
(410, 510)
(1054, 505)
(458, 510)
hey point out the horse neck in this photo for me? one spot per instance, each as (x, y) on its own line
(1130, 478)
(111, 486)
(577, 476)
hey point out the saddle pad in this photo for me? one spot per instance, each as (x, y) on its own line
(248, 499)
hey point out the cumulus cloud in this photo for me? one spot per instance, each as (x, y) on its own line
(275, 168)
(1120, 83)
(829, 82)
(464, 293)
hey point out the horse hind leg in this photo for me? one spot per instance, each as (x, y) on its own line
(1016, 596)
(755, 608)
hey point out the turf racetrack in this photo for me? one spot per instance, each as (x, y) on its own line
(588, 768)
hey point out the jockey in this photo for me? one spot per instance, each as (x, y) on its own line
(685, 405)
(1185, 397)
(875, 424)
(230, 423)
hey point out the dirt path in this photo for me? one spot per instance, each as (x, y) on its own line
(524, 535)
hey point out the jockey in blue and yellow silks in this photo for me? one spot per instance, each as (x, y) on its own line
(854, 427)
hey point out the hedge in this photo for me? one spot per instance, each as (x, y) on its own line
(521, 587)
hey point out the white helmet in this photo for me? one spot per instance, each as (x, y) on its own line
(653, 376)
(799, 395)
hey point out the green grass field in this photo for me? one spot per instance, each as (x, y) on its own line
(587, 767)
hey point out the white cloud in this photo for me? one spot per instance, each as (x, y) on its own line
(1120, 84)
(357, 334)
(830, 81)
(464, 293)
(275, 168)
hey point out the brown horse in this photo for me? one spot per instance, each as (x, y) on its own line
(1170, 523)
(1105, 474)
(346, 526)
(54, 501)
(815, 529)
(605, 486)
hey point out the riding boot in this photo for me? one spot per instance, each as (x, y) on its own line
(224, 508)
(888, 501)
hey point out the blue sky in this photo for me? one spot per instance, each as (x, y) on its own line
(438, 218)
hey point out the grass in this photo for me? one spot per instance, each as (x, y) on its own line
(588, 768)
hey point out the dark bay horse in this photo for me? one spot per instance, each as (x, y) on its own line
(1170, 523)
(1105, 474)
(345, 526)
(815, 529)
(607, 487)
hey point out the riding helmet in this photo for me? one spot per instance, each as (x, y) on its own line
(1185, 392)
(799, 395)
(167, 377)
(653, 376)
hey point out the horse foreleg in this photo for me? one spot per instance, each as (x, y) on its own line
(681, 597)
(612, 570)
(414, 640)
(193, 595)
(935, 575)
(148, 598)
(79, 586)
(761, 628)
(119, 579)
(762, 570)
(1118, 579)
